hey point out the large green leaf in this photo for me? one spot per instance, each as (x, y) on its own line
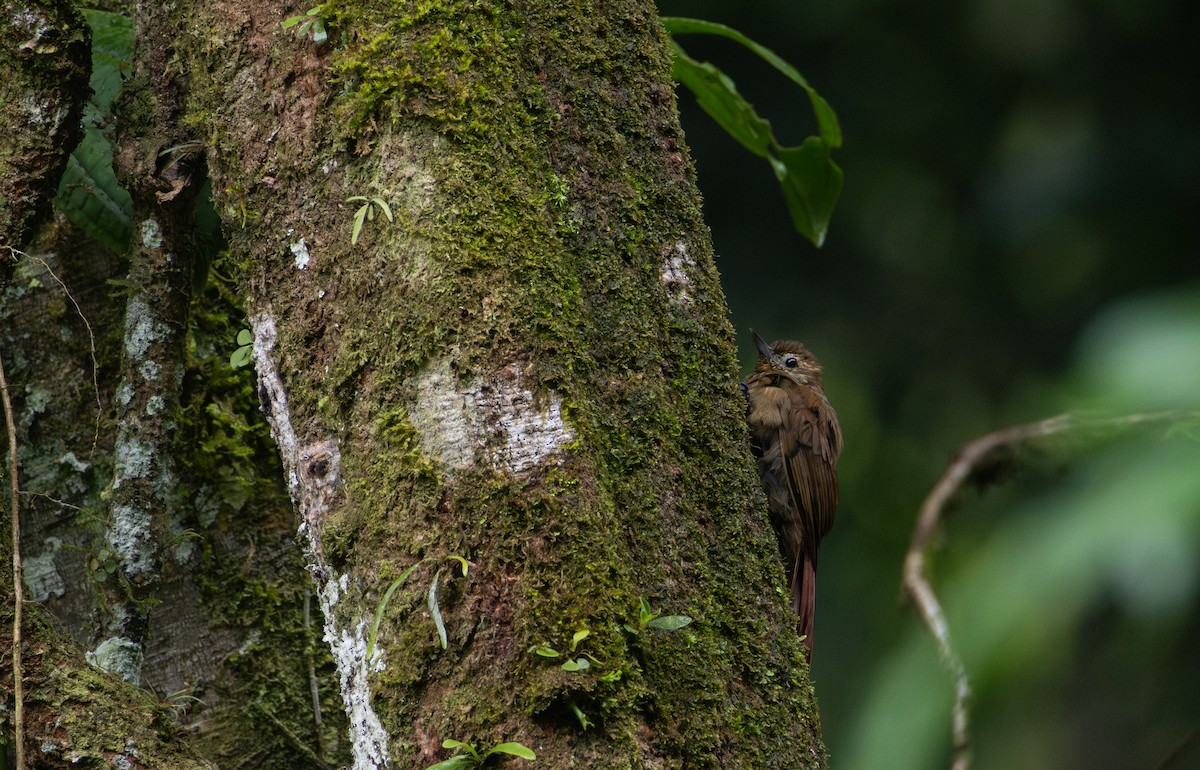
(112, 47)
(88, 193)
(810, 180)
(90, 196)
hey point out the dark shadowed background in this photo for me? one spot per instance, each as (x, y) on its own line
(1017, 237)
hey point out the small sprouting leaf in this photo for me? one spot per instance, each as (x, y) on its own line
(309, 21)
(387, 210)
(669, 622)
(611, 676)
(456, 762)
(579, 637)
(513, 748)
(383, 603)
(359, 217)
(241, 357)
(245, 337)
(584, 722)
(436, 612)
(646, 614)
(461, 561)
(545, 650)
(579, 664)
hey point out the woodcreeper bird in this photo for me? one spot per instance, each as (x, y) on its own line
(796, 438)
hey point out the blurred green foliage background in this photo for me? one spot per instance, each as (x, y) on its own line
(1018, 236)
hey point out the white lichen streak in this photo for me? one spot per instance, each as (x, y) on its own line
(674, 273)
(314, 475)
(497, 420)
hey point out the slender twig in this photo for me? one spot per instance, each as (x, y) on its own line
(973, 456)
(18, 588)
(54, 500)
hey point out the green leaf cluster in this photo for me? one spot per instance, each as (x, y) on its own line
(366, 212)
(312, 21)
(582, 663)
(243, 354)
(472, 758)
(649, 619)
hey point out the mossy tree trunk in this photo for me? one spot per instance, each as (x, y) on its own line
(527, 364)
(521, 359)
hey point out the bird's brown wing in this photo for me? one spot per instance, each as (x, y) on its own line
(810, 442)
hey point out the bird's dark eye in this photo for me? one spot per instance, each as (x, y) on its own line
(791, 362)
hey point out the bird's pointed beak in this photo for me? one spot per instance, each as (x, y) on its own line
(764, 349)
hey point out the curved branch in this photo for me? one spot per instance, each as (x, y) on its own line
(973, 458)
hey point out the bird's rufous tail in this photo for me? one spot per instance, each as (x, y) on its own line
(804, 598)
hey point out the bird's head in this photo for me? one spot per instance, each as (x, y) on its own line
(789, 359)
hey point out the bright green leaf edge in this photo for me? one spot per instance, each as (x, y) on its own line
(513, 749)
(827, 122)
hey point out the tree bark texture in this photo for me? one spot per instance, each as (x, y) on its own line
(523, 360)
(45, 61)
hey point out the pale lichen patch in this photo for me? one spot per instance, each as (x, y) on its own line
(531, 432)
(369, 740)
(300, 252)
(497, 421)
(41, 573)
(131, 540)
(274, 397)
(314, 481)
(125, 394)
(74, 462)
(152, 237)
(142, 329)
(119, 656)
(674, 273)
(442, 417)
(133, 460)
